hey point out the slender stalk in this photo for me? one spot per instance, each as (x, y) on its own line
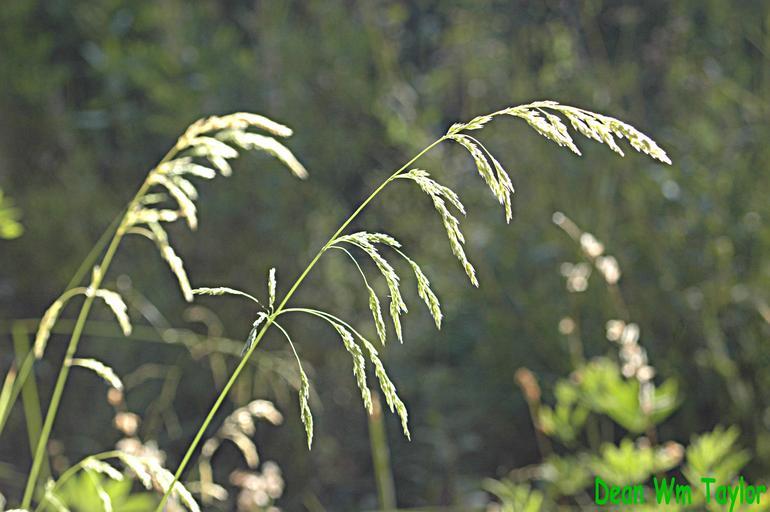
(378, 440)
(29, 394)
(77, 332)
(223, 394)
(26, 363)
(6, 394)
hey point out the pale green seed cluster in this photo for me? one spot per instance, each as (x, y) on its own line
(215, 139)
(102, 370)
(209, 141)
(366, 242)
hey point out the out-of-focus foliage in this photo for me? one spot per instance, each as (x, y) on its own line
(81, 494)
(598, 390)
(9, 219)
(94, 92)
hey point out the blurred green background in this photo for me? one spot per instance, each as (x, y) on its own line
(92, 93)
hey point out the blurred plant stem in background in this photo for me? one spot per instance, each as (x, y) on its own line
(383, 474)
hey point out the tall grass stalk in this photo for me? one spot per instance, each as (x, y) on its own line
(29, 393)
(72, 347)
(543, 117)
(271, 318)
(23, 365)
(211, 139)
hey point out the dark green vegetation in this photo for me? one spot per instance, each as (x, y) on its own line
(93, 93)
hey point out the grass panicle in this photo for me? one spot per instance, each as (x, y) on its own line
(439, 195)
(545, 118)
(208, 145)
(167, 194)
(542, 117)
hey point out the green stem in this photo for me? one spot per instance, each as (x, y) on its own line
(29, 396)
(378, 440)
(223, 394)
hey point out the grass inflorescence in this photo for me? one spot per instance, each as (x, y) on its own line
(169, 193)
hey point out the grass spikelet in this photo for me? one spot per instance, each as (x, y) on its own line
(304, 391)
(594, 126)
(425, 292)
(271, 285)
(438, 193)
(211, 148)
(365, 241)
(185, 186)
(359, 363)
(151, 216)
(394, 402)
(175, 263)
(153, 199)
(433, 188)
(261, 317)
(187, 209)
(185, 166)
(222, 165)
(102, 468)
(374, 301)
(395, 315)
(507, 184)
(561, 130)
(236, 121)
(118, 307)
(137, 467)
(48, 321)
(637, 139)
(165, 480)
(451, 224)
(304, 407)
(375, 308)
(269, 145)
(257, 121)
(224, 290)
(52, 499)
(102, 370)
(482, 165)
(104, 497)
